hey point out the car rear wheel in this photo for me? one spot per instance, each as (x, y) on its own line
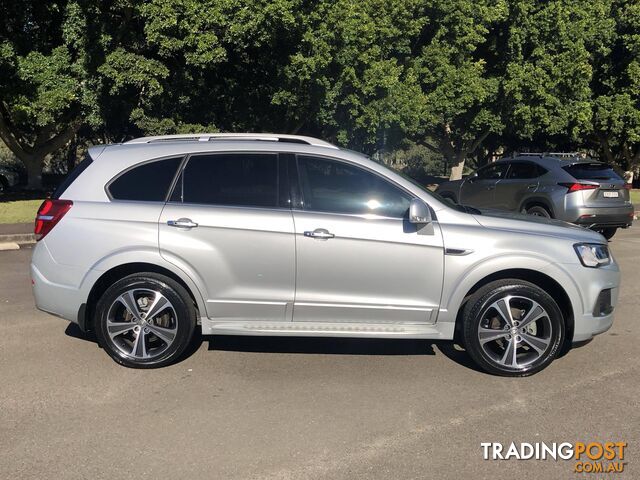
(608, 233)
(538, 211)
(145, 320)
(512, 328)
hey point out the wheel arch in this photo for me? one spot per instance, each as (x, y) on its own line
(115, 273)
(537, 200)
(542, 280)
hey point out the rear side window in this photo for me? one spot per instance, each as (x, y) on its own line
(230, 179)
(592, 171)
(148, 182)
(75, 173)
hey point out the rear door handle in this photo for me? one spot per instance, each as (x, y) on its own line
(320, 234)
(182, 223)
(532, 186)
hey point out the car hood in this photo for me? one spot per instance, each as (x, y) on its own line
(536, 226)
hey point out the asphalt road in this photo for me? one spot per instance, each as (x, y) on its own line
(244, 408)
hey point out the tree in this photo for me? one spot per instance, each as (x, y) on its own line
(616, 88)
(460, 74)
(45, 89)
(551, 51)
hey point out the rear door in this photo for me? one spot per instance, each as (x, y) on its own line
(610, 191)
(359, 260)
(520, 182)
(479, 190)
(228, 223)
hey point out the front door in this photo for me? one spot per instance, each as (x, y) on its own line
(479, 190)
(229, 224)
(359, 260)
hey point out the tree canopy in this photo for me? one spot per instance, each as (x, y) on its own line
(457, 77)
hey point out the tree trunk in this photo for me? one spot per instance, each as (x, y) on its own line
(34, 167)
(458, 166)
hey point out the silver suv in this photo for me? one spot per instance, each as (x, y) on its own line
(562, 186)
(257, 234)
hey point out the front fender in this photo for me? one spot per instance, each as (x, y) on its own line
(454, 293)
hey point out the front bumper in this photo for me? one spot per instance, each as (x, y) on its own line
(594, 311)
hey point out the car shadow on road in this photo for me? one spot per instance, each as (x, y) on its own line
(311, 345)
(340, 346)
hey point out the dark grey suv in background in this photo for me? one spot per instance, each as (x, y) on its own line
(569, 188)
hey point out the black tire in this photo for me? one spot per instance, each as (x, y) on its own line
(180, 315)
(608, 233)
(539, 211)
(549, 330)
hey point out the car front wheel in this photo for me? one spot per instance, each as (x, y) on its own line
(145, 320)
(512, 328)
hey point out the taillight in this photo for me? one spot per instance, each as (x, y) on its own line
(49, 214)
(576, 187)
(628, 186)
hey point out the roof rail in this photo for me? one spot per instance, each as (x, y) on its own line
(208, 137)
(549, 154)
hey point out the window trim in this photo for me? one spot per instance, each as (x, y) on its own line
(131, 167)
(365, 216)
(185, 162)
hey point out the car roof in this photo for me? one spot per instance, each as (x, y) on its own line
(549, 161)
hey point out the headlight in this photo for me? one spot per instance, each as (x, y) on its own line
(593, 255)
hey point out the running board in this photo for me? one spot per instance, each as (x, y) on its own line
(443, 331)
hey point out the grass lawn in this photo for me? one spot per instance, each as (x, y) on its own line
(20, 211)
(635, 197)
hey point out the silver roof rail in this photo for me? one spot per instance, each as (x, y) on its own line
(549, 154)
(208, 137)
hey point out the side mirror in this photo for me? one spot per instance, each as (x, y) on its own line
(419, 212)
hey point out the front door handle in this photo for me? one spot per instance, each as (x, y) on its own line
(182, 223)
(320, 234)
(491, 187)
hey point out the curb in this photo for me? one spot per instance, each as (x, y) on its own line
(14, 240)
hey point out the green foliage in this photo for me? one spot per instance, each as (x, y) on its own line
(455, 78)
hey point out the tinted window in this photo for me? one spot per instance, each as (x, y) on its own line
(592, 171)
(332, 186)
(235, 179)
(493, 172)
(147, 182)
(75, 173)
(522, 170)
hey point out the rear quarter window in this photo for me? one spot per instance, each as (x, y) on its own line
(592, 171)
(75, 173)
(148, 182)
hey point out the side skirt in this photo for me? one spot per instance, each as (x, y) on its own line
(441, 331)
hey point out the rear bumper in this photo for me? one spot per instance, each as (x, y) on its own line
(602, 216)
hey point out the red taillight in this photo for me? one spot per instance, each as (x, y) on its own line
(576, 187)
(49, 214)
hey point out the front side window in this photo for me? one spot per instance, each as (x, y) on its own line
(337, 187)
(148, 182)
(230, 179)
(493, 172)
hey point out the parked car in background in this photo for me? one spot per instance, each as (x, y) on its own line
(562, 186)
(8, 178)
(261, 234)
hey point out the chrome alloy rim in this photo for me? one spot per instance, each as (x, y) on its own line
(142, 323)
(515, 331)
